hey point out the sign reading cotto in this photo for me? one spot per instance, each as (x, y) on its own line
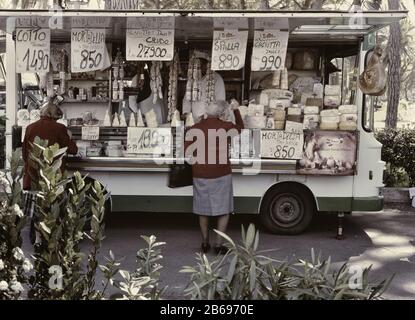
(229, 49)
(88, 51)
(270, 50)
(281, 145)
(150, 44)
(32, 50)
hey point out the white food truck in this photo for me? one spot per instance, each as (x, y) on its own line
(308, 146)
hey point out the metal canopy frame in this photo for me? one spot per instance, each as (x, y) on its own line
(198, 24)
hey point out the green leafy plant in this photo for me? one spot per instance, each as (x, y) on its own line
(399, 153)
(63, 205)
(14, 266)
(244, 273)
(143, 283)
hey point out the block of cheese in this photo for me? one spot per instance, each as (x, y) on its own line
(335, 119)
(255, 109)
(275, 103)
(332, 90)
(279, 125)
(348, 108)
(311, 110)
(329, 113)
(291, 126)
(264, 99)
(294, 111)
(329, 126)
(332, 101)
(256, 122)
(348, 125)
(279, 114)
(243, 110)
(311, 117)
(314, 102)
(278, 94)
(298, 119)
(348, 117)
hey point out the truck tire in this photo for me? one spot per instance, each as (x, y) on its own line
(287, 208)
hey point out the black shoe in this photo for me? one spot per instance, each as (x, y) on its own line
(221, 250)
(205, 247)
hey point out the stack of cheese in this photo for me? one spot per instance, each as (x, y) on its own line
(329, 119)
(294, 121)
(332, 96)
(279, 115)
(348, 117)
(255, 118)
(311, 117)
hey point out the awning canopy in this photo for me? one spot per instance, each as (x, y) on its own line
(323, 25)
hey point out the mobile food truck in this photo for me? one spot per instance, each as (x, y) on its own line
(308, 145)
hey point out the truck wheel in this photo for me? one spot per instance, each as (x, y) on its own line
(287, 209)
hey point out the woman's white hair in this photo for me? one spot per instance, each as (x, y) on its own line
(216, 109)
(51, 110)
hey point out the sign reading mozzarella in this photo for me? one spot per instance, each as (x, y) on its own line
(154, 141)
(90, 133)
(270, 50)
(229, 49)
(88, 50)
(32, 50)
(281, 145)
(150, 44)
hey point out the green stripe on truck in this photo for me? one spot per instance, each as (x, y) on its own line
(165, 204)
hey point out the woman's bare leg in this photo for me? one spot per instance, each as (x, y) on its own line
(204, 228)
(222, 225)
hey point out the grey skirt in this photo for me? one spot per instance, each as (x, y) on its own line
(213, 197)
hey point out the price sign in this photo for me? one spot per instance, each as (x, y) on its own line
(155, 141)
(88, 50)
(281, 145)
(150, 44)
(270, 50)
(32, 50)
(229, 49)
(90, 133)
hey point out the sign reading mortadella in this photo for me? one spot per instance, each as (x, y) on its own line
(88, 50)
(229, 49)
(150, 39)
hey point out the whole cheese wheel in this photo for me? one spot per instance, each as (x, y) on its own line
(332, 101)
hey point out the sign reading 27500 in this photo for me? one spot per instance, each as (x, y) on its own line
(150, 44)
(149, 140)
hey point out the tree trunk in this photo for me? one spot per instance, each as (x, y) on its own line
(394, 70)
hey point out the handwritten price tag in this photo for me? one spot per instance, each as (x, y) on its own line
(281, 145)
(150, 44)
(90, 133)
(270, 50)
(32, 50)
(88, 50)
(229, 49)
(149, 140)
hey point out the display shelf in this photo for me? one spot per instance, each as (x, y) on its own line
(83, 101)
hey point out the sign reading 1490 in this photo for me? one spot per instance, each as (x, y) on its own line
(32, 50)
